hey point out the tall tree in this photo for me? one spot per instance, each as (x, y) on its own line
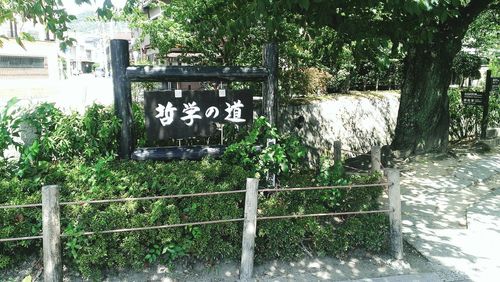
(430, 33)
(423, 117)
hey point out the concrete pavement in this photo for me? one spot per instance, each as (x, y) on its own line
(451, 210)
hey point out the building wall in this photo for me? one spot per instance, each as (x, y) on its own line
(48, 50)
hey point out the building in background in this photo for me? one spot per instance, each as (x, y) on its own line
(38, 59)
(42, 57)
(91, 49)
(151, 55)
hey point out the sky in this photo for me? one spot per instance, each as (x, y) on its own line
(73, 8)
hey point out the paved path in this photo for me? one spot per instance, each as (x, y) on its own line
(451, 211)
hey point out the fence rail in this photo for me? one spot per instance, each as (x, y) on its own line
(51, 219)
(121, 200)
(375, 154)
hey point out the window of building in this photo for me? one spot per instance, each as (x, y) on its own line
(21, 62)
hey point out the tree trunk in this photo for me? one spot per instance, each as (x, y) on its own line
(423, 117)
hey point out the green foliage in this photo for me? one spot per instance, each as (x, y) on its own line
(280, 158)
(106, 179)
(57, 136)
(49, 13)
(307, 81)
(9, 126)
(78, 153)
(494, 66)
(465, 121)
(494, 109)
(467, 65)
(323, 235)
(482, 34)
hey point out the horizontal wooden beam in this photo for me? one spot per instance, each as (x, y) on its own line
(193, 73)
(193, 153)
(178, 153)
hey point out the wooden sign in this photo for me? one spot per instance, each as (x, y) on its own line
(472, 98)
(495, 82)
(182, 114)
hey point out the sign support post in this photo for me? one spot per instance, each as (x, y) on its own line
(486, 105)
(122, 94)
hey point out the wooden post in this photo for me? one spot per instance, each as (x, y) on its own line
(337, 152)
(486, 105)
(249, 229)
(376, 159)
(51, 225)
(270, 86)
(122, 94)
(271, 177)
(395, 214)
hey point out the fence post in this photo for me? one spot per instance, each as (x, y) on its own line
(271, 177)
(376, 159)
(122, 94)
(395, 213)
(249, 229)
(51, 225)
(337, 152)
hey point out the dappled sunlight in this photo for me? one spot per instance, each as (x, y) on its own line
(357, 266)
(450, 213)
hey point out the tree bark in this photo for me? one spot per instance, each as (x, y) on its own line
(423, 117)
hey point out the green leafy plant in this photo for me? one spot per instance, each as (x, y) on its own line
(154, 253)
(253, 154)
(109, 179)
(466, 65)
(78, 153)
(465, 121)
(58, 137)
(9, 126)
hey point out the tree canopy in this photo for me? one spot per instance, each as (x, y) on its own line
(358, 39)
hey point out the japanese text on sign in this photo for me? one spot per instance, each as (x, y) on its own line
(166, 113)
(194, 113)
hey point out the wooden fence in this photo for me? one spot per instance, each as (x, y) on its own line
(51, 224)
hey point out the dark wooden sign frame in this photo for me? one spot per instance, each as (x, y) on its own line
(194, 113)
(124, 74)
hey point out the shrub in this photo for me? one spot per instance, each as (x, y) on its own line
(305, 82)
(9, 126)
(78, 153)
(116, 179)
(60, 137)
(466, 65)
(465, 121)
(280, 158)
(315, 82)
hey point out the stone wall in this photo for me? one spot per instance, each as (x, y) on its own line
(359, 120)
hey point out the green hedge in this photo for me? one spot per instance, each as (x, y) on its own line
(79, 154)
(116, 179)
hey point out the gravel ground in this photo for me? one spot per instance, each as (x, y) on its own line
(357, 265)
